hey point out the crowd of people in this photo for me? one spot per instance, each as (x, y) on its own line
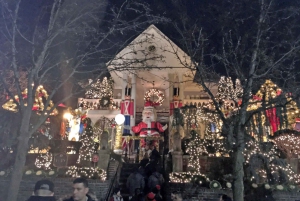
(145, 182)
(44, 191)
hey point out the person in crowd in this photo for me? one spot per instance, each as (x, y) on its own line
(80, 191)
(155, 179)
(134, 181)
(157, 194)
(138, 195)
(154, 154)
(43, 191)
(176, 196)
(117, 195)
(225, 197)
(150, 197)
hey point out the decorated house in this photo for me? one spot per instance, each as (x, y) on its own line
(151, 79)
(149, 98)
(148, 69)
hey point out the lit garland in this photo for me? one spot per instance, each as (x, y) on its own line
(88, 172)
(151, 93)
(44, 161)
(186, 177)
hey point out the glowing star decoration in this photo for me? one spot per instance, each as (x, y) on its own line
(40, 99)
(155, 94)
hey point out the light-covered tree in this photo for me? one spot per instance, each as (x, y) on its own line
(248, 40)
(55, 45)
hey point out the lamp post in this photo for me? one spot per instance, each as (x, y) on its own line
(120, 119)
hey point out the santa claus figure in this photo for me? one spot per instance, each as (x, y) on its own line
(149, 127)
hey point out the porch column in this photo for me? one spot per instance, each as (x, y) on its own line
(124, 84)
(133, 96)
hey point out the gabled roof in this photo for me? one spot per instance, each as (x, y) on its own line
(151, 49)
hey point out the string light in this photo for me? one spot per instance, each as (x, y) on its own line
(88, 172)
(38, 104)
(100, 89)
(44, 161)
(278, 170)
(88, 143)
(160, 97)
(289, 144)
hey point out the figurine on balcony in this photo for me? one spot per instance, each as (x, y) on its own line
(74, 125)
(149, 127)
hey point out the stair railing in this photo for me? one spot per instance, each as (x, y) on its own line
(113, 183)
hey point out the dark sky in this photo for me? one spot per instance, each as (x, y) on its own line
(207, 14)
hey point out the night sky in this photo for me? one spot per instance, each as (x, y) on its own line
(206, 14)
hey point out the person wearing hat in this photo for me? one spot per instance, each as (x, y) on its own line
(138, 195)
(150, 197)
(117, 195)
(43, 191)
(157, 194)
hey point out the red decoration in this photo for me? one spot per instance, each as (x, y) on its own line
(143, 129)
(273, 119)
(127, 107)
(62, 105)
(240, 102)
(150, 103)
(175, 104)
(62, 129)
(256, 98)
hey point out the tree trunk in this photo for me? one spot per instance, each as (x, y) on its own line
(238, 173)
(20, 159)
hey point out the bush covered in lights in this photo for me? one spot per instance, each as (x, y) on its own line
(87, 172)
(264, 165)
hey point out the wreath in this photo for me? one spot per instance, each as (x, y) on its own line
(160, 97)
(105, 101)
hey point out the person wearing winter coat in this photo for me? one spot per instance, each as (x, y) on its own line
(134, 181)
(150, 197)
(157, 194)
(80, 191)
(138, 195)
(43, 191)
(154, 155)
(117, 195)
(155, 179)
